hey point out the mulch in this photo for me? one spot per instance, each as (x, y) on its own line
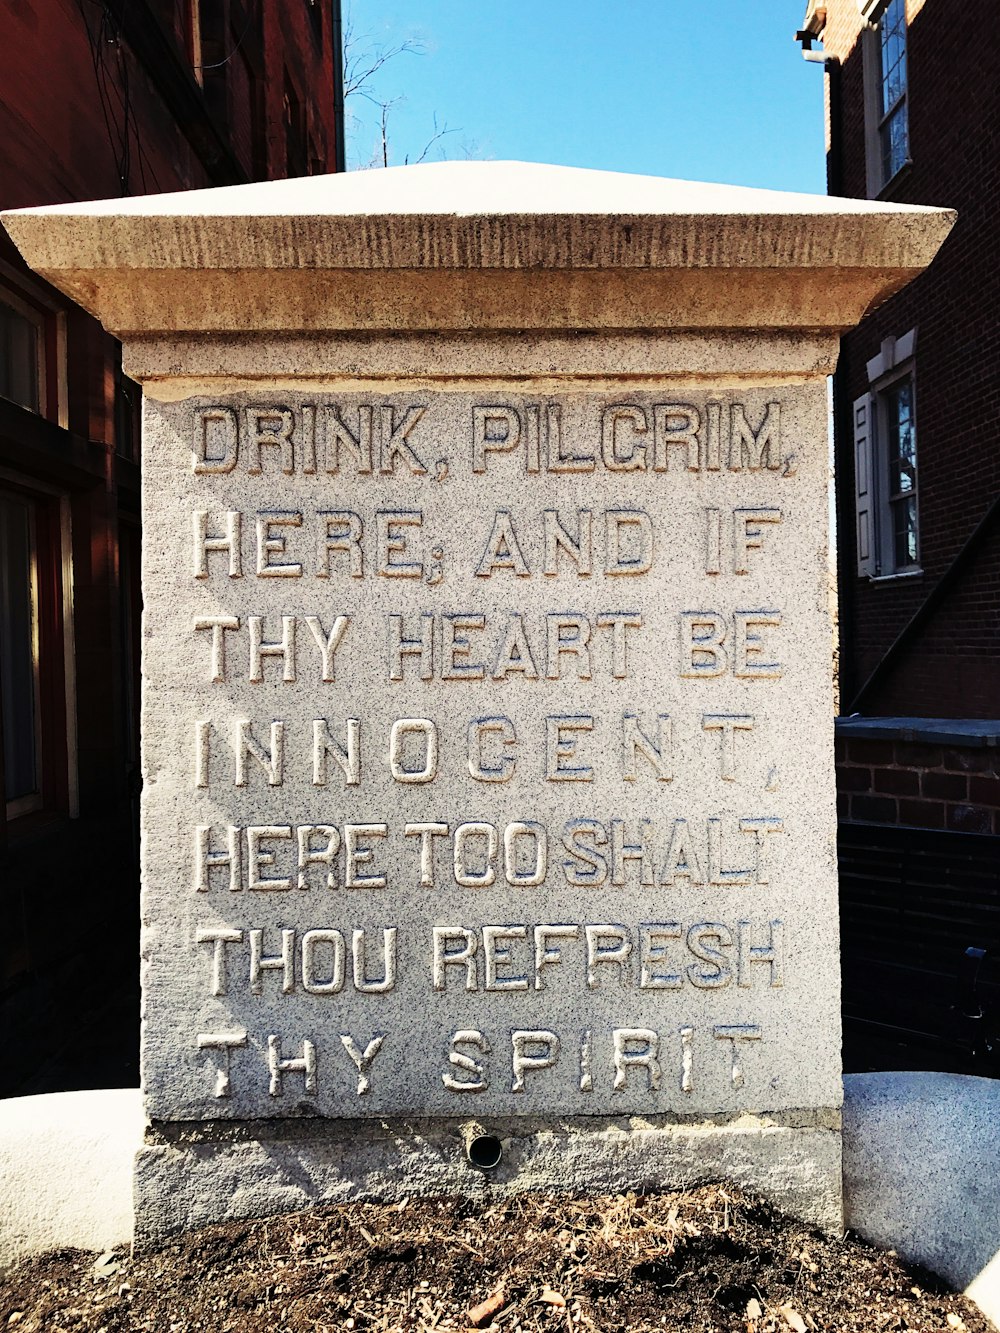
(711, 1259)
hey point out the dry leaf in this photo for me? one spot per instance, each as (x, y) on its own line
(106, 1265)
(753, 1308)
(955, 1321)
(550, 1297)
(793, 1319)
(485, 1310)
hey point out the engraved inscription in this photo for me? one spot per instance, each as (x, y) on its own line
(475, 786)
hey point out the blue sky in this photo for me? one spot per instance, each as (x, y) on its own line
(703, 91)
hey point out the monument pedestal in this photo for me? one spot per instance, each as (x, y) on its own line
(191, 1175)
(488, 705)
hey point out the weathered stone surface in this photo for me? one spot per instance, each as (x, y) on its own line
(474, 245)
(552, 780)
(486, 586)
(921, 1169)
(180, 1184)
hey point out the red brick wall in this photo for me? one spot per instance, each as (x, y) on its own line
(57, 145)
(919, 784)
(952, 668)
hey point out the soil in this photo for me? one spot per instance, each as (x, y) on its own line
(711, 1259)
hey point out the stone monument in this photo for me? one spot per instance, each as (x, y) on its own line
(488, 812)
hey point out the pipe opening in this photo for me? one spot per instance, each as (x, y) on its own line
(485, 1151)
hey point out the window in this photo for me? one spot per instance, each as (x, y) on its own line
(896, 405)
(892, 87)
(885, 464)
(19, 682)
(22, 366)
(886, 116)
(36, 738)
(314, 8)
(32, 346)
(294, 117)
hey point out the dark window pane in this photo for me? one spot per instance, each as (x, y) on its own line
(17, 650)
(904, 517)
(894, 142)
(901, 454)
(19, 350)
(903, 477)
(892, 89)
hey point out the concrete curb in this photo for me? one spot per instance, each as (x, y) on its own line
(921, 1172)
(66, 1161)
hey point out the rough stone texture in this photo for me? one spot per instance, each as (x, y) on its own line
(180, 1185)
(921, 1167)
(66, 1161)
(687, 655)
(477, 245)
(708, 786)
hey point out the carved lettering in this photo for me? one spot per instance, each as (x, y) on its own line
(226, 1042)
(216, 440)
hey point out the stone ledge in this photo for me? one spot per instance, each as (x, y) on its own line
(191, 1185)
(972, 732)
(479, 245)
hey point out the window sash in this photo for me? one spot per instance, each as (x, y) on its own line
(905, 532)
(892, 126)
(886, 477)
(22, 353)
(892, 33)
(897, 450)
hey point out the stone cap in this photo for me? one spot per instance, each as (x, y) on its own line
(479, 224)
(973, 732)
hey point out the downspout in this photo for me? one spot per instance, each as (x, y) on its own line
(846, 607)
(339, 152)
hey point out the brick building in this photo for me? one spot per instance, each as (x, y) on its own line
(103, 98)
(913, 116)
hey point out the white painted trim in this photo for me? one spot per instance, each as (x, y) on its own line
(911, 572)
(893, 356)
(866, 490)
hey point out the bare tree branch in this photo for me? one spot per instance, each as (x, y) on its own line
(438, 134)
(363, 58)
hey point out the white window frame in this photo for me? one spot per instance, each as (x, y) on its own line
(875, 537)
(872, 12)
